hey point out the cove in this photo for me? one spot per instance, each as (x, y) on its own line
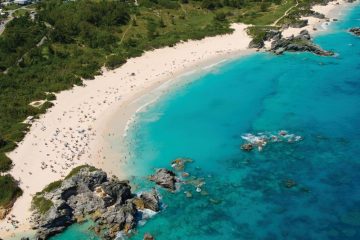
(246, 195)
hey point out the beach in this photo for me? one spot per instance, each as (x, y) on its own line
(333, 10)
(85, 120)
(75, 130)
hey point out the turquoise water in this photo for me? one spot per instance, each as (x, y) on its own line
(315, 97)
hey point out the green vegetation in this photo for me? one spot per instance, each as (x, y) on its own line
(9, 191)
(21, 12)
(11, 7)
(77, 170)
(68, 41)
(258, 33)
(52, 186)
(41, 204)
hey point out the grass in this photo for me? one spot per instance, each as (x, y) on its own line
(41, 204)
(76, 170)
(20, 12)
(52, 186)
(254, 16)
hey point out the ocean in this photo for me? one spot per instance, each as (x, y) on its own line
(294, 188)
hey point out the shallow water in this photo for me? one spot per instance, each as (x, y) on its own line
(250, 194)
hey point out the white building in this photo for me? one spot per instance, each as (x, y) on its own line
(22, 2)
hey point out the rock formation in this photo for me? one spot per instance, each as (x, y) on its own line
(90, 193)
(355, 31)
(300, 43)
(164, 178)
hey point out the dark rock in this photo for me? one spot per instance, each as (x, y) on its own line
(247, 147)
(269, 35)
(180, 163)
(109, 202)
(315, 14)
(355, 31)
(288, 183)
(256, 44)
(272, 35)
(164, 178)
(118, 191)
(151, 200)
(55, 221)
(67, 193)
(299, 23)
(300, 43)
(305, 35)
(148, 236)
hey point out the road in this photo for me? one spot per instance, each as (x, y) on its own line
(10, 17)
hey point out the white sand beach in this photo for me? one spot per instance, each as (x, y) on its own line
(76, 130)
(333, 11)
(73, 132)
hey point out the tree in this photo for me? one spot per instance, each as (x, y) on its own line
(162, 23)
(2, 141)
(220, 16)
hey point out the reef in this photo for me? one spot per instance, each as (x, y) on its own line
(260, 140)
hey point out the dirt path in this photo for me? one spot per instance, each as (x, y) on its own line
(285, 14)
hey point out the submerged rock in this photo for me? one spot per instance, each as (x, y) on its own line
(179, 163)
(148, 236)
(164, 178)
(355, 31)
(288, 183)
(90, 192)
(247, 147)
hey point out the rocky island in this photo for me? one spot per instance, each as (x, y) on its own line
(88, 193)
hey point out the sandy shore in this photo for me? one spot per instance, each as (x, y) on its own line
(86, 122)
(76, 130)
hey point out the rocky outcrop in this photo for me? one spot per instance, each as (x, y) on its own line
(164, 178)
(90, 193)
(148, 236)
(247, 147)
(151, 200)
(300, 43)
(256, 44)
(268, 36)
(299, 23)
(355, 31)
(312, 13)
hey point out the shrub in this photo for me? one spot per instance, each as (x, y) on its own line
(9, 190)
(41, 204)
(114, 61)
